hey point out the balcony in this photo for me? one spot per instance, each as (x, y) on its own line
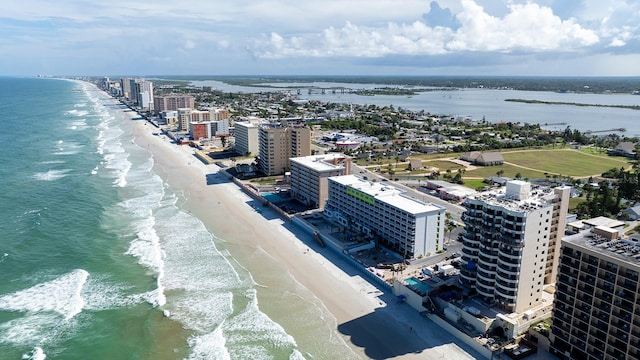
(507, 277)
(510, 285)
(630, 274)
(623, 315)
(586, 288)
(488, 293)
(606, 275)
(505, 293)
(606, 286)
(628, 284)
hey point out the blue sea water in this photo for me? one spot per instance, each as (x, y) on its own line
(97, 259)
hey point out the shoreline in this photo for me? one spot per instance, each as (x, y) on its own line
(371, 324)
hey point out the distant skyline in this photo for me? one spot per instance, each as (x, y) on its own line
(328, 37)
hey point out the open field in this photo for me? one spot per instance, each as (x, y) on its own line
(543, 163)
(566, 162)
(508, 171)
(531, 163)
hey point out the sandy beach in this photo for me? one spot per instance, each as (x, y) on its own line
(373, 324)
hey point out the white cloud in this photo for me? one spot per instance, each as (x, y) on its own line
(528, 27)
(91, 36)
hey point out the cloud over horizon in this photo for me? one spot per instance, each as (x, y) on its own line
(517, 37)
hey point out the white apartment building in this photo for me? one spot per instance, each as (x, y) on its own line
(246, 139)
(141, 93)
(397, 221)
(509, 233)
(309, 175)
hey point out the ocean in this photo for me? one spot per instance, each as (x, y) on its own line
(98, 259)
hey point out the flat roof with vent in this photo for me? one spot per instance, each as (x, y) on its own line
(385, 193)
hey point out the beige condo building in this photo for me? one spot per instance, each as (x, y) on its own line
(279, 143)
(309, 176)
(169, 102)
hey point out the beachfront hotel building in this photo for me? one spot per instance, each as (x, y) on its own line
(309, 176)
(125, 85)
(279, 143)
(187, 116)
(141, 93)
(208, 129)
(596, 312)
(403, 224)
(510, 243)
(169, 102)
(246, 138)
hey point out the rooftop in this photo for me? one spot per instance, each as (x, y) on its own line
(387, 194)
(620, 249)
(536, 198)
(321, 162)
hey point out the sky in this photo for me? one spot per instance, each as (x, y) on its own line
(320, 37)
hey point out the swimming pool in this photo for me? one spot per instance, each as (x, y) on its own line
(273, 197)
(418, 284)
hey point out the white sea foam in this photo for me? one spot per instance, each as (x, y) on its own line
(209, 346)
(61, 295)
(77, 112)
(99, 293)
(116, 160)
(100, 140)
(32, 329)
(146, 248)
(94, 170)
(36, 354)
(78, 125)
(296, 355)
(51, 175)
(53, 162)
(80, 105)
(252, 325)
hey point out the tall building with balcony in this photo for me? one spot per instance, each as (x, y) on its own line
(403, 224)
(125, 85)
(168, 102)
(509, 234)
(246, 138)
(596, 312)
(141, 93)
(309, 176)
(279, 143)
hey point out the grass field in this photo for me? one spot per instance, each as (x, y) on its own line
(547, 163)
(508, 171)
(565, 162)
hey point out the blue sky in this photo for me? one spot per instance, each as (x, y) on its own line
(321, 37)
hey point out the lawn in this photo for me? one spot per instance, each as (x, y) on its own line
(443, 165)
(563, 162)
(508, 171)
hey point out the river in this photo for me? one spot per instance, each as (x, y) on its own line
(479, 103)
